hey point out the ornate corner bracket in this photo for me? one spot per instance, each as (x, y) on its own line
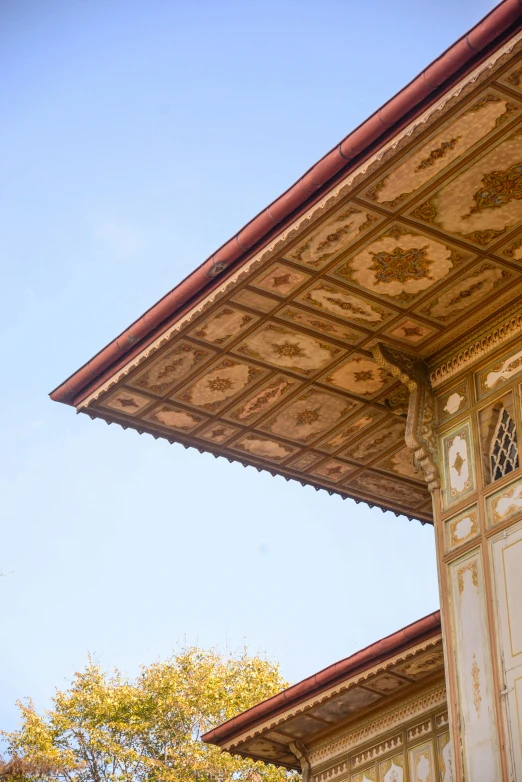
(420, 436)
(298, 749)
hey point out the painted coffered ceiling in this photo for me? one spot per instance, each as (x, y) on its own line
(275, 368)
(355, 701)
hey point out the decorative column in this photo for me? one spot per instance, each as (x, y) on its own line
(462, 428)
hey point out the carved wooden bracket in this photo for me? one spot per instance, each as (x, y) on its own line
(298, 749)
(420, 435)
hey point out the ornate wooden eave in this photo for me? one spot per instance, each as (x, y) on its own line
(309, 346)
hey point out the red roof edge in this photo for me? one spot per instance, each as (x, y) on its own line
(463, 55)
(414, 633)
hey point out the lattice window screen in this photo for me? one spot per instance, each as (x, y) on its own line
(504, 452)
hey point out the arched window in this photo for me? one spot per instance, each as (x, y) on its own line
(503, 452)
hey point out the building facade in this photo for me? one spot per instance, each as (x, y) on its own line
(363, 335)
(380, 714)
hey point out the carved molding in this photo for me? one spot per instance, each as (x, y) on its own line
(478, 344)
(384, 747)
(419, 435)
(376, 726)
(332, 773)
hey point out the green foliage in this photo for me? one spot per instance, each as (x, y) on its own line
(109, 728)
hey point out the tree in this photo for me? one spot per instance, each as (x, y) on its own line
(110, 728)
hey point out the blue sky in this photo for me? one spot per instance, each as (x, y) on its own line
(136, 138)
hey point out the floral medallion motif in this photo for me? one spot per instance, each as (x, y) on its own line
(458, 469)
(263, 399)
(465, 292)
(309, 415)
(218, 432)
(223, 326)
(361, 376)
(346, 305)
(484, 200)
(281, 280)
(443, 149)
(332, 237)
(321, 324)
(294, 350)
(400, 265)
(220, 384)
(171, 367)
(410, 331)
(126, 402)
(334, 470)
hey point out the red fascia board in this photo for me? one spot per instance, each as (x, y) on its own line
(378, 652)
(452, 65)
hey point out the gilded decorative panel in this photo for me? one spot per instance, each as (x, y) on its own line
(512, 249)
(349, 430)
(477, 284)
(257, 445)
(263, 399)
(421, 762)
(504, 504)
(359, 375)
(373, 484)
(421, 664)
(453, 401)
(401, 463)
(445, 147)
(220, 384)
(223, 326)
(175, 418)
(473, 666)
(392, 770)
(499, 372)
(461, 528)
(255, 300)
(305, 460)
(355, 309)
(368, 775)
(218, 432)
(280, 279)
(410, 331)
(513, 79)
(445, 758)
(459, 469)
(380, 440)
(322, 325)
(309, 415)
(171, 367)
(286, 348)
(319, 246)
(484, 200)
(128, 402)
(401, 264)
(333, 470)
